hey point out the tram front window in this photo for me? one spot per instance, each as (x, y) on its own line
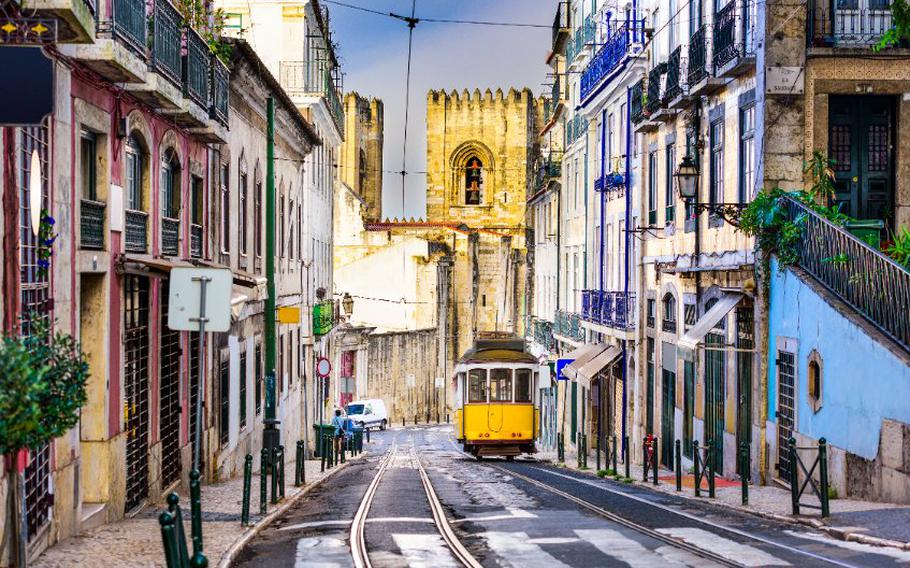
(477, 385)
(501, 385)
(523, 385)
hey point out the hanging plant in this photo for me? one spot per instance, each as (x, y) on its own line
(46, 238)
(899, 33)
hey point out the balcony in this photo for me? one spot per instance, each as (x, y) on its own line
(568, 324)
(91, 224)
(653, 101)
(556, 90)
(575, 129)
(136, 231)
(734, 38)
(610, 309)
(309, 79)
(220, 84)
(700, 74)
(195, 241)
(196, 69)
(637, 104)
(170, 236)
(542, 333)
(560, 26)
(584, 35)
(846, 28)
(674, 88)
(75, 18)
(129, 21)
(166, 40)
(323, 317)
(867, 280)
(605, 62)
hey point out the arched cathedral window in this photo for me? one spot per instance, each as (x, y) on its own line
(473, 181)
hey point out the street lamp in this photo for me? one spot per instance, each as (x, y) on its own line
(347, 302)
(687, 178)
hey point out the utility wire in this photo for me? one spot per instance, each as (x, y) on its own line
(435, 20)
(412, 23)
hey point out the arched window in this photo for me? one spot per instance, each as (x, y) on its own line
(362, 172)
(135, 167)
(473, 181)
(815, 381)
(170, 184)
(669, 313)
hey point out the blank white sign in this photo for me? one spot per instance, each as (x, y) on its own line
(184, 299)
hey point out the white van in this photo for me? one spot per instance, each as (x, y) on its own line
(368, 413)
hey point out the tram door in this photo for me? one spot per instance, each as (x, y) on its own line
(500, 394)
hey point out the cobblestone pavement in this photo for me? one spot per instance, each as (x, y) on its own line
(873, 519)
(136, 542)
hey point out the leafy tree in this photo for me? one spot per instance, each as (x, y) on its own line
(900, 26)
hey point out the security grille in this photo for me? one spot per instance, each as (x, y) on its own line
(258, 378)
(36, 305)
(243, 390)
(225, 402)
(136, 388)
(786, 378)
(169, 412)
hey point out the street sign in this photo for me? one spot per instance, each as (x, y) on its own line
(186, 299)
(560, 365)
(785, 80)
(289, 314)
(323, 367)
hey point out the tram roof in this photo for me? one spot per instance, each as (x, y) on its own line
(498, 351)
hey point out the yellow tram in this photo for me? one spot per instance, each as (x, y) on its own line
(496, 413)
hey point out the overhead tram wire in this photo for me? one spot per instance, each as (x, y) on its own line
(436, 20)
(412, 23)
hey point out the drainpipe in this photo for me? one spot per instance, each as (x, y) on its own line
(603, 167)
(626, 274)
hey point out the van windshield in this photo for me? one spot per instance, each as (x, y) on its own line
(354, 409)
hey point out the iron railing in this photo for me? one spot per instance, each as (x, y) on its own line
(575, 129)
(170, 236)
(637, 105)
(556, 89)
(833, 27)
(302, 78)
(196, 241)
(560, 24)
(166, 41)
(129, 23)
(725, 46)
(609, 308)
(136, 223)
(542, 332)
(568, 324)
(91, 223)
(196, 72)
(698, 56)
(654, 101)
(584, 35)
(220, 96)
(606, 60)
(674, 75)
(860, 275)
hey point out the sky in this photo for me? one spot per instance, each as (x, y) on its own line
(373, 53)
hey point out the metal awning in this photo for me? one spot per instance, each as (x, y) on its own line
(605, 359)
(146, 265)
(689, 342)
(585, 354)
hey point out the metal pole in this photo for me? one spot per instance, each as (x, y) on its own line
(711, 468)
(263, 480)
(200, 394)
(678, 467)
(247, 482)
(794, 476)
(654, 460)
(697, 464)
(198, 560)
(823, 475)
(271, 435)
(744, 471)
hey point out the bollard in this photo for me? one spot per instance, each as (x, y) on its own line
(560, 449)
(711, 468)
(614, 455)
(823, 474)
(794, 476)
(578, 449)
(368, 435)
(678, 457)
(645, 460)
(321, 444)
(597, 450)
(584, 449)
(169, 539)
(402, 421)
(247, 483)
(281, 468)
(298, 464)
(273, 459)
(654, 459)
(343, 446)
(626, 449)
(173, 507)
(447, 417)
(199, 560)
(697, 460)
(744, 471)
(415, 419)
(263, 480)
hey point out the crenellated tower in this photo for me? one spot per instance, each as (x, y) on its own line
(361, 153)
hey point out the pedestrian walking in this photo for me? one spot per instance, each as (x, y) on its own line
(338, 436)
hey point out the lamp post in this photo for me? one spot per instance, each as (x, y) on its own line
(347, 303)
(688, 180)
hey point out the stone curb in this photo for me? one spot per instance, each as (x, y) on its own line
(231, 554)
(839, 534)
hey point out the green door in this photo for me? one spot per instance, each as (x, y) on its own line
(668, 403)
(649, 398)
(861, 143)
(745, 343)
(715, 364)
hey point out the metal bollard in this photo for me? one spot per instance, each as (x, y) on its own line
(169, 540)
(298, 463)
(697, 457)
(447, 417)
(273, 459)
(744, 471)
(823, 475)
(597, 450)
(645, 460)
(614, 455)
(711, 469)
(198, 559)
(794, 476)
(560, 448)
(628, 463)
(247, 483)
(678, 462)
(321, 443)
(281, 468)
(343, 447)
(368, 435)
(654, 460)
(578, 448)
(173, 507)
(584, 450)
(263, 480)
(402, 421)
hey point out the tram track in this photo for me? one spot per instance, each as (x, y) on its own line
(359, 549)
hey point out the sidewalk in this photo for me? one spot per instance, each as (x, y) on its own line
(136, 542)
(868, 522)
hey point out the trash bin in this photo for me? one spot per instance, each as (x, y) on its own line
(322, 430)
(867, 230)
(355, 435)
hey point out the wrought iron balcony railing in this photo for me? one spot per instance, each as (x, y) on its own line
(560, 25)
(311, 78)
(654, 101)
(323, 317)
(725, 46)
(674, 86)
(170, 236)
(196, 241)
(611, 309)
(220, 85)
(568, 324)
(136, 233)
(542, 332)
(584, 35)
(637, 104)
(91, 223)
(167, 38)
(872, 283)
(699, 68)
(607, 59)
(196, 70)
(556, 90)
(575, 129)
(840, 27)
(129, 21)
